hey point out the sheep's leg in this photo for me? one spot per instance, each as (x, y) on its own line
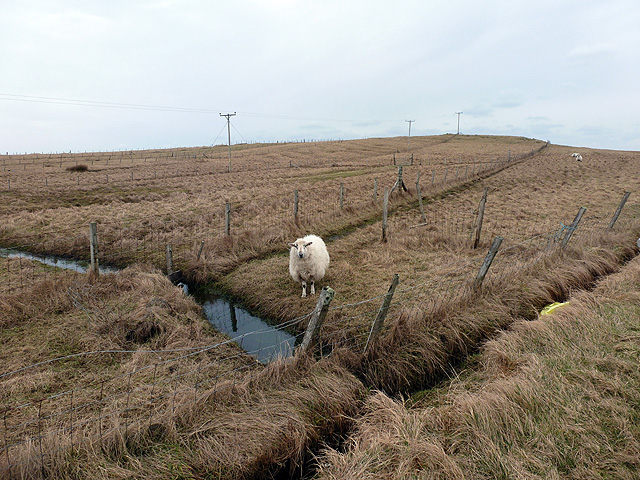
(304, 289)
(313, 290)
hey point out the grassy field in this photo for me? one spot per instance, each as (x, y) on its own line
(554, 397)
(255, 421)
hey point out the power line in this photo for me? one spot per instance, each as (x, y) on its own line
(136, 106)
(238, 132)
(409, 139)
(459, 113)
(92, 103)
(229, 115)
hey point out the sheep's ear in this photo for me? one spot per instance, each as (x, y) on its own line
(307, 244)
(292, 245)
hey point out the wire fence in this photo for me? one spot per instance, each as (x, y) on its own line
(145, 387)
(154, 385)
(251, 223)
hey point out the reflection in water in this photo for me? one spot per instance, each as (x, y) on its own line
(53, 261)
(261, 340)
(234, 319)
(265, 342)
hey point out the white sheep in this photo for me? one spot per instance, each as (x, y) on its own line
(577, 156)
(308, 261)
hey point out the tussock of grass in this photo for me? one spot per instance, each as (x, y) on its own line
(555, 397)
(275, 426)
(419, 348)
(78, 168)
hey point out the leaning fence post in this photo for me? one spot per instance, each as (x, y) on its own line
(422, 215)
(295, 205)
(93, 247)
(573, 226)
(200, 251)
(227, 219)
(169, 255)
(382, 313)
(375, 190)
(400, 182)
(625, 197)
(483, 202)
(317, 317)
(385, 214)
(493, 250)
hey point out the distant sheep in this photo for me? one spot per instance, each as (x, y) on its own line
(577, 156)
(308, 261)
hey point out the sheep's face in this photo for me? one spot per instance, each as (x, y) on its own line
(301, 247)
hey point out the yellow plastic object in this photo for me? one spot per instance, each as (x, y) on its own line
(551, 307)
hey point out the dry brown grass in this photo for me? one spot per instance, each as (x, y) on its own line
(267, 422)
(138, 326)
(138, 217)
(555, 397)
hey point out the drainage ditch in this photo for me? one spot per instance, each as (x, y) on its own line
(256, 336)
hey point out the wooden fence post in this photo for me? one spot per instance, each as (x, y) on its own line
(227, 219)
(169, 255)
(399, 182)
(478, 230)
(200, 251)
(493, 250)
(93, 247)
(317, 317)
(295, 205)
(375, 190)
(445, 175)
(341, 196)
(571, 228)
(625, 197)
(385, 214)
(423, 217)
(433, 177)
(382, 313)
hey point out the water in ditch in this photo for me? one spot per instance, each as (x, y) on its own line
(263, 341)
(53, 261)
(260, 339)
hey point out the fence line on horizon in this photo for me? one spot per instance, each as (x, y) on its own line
(315, 209)
(104, 168)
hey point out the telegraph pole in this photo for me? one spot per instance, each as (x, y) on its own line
(459, 113)
(409, 139)
(229, 115)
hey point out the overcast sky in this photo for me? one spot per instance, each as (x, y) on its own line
(80, 75)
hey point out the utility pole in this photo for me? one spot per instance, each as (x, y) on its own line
(459, 113)
(409, 139)
(229, 115)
